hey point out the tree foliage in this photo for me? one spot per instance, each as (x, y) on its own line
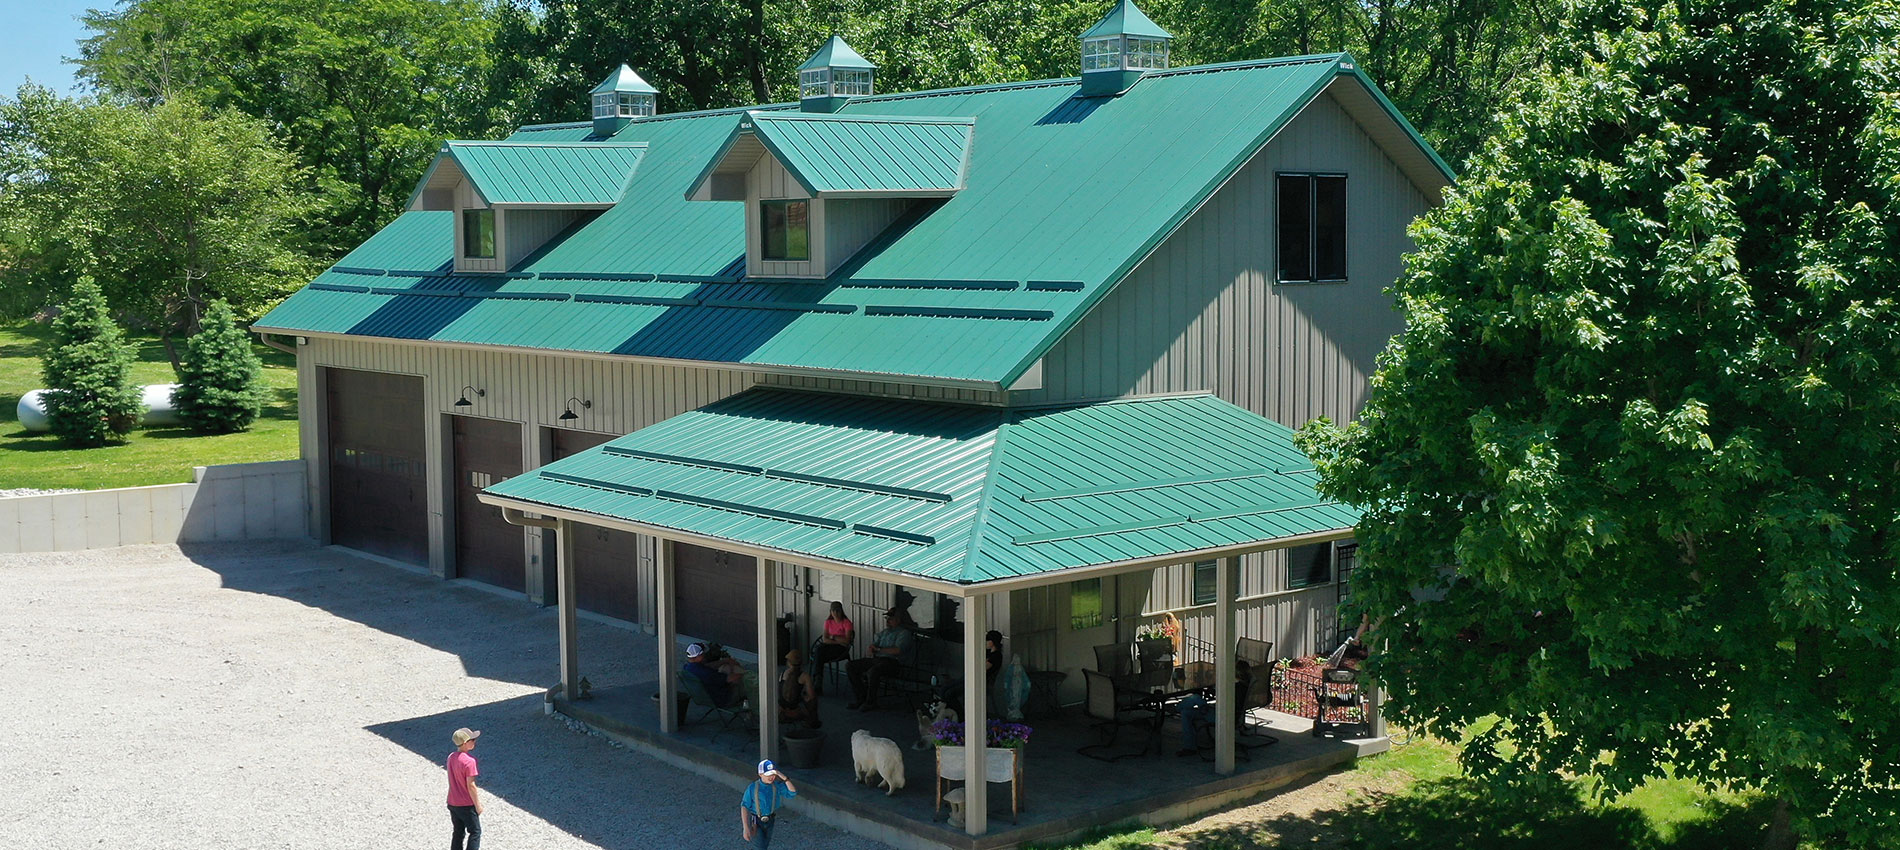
(1629, 472)
(90, 399)
(166, 206)
(220, 380)
(363, 90)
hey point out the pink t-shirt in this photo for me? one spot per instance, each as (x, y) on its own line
(461, 767)
(837, 628)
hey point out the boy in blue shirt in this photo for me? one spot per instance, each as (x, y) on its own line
(758, 807)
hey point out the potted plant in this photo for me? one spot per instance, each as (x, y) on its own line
(1004, 747)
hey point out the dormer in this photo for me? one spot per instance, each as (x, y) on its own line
(1119, 49)
(510, 198)
(819, 187)
(832, 77)
(620, 98)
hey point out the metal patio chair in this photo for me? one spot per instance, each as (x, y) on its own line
(1110, 710)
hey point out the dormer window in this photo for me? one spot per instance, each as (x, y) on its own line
(478, 234)
(785, 230)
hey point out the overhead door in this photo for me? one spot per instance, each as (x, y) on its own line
(487, 548)
(378, 491)
(605, 560)
(717, 596)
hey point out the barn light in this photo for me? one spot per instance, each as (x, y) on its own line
(464, 402)
(569, 415)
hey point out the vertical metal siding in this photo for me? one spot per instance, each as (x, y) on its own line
(851, 223)
(770, 180)
(465, 198)
(1204, 313)
(529, 229)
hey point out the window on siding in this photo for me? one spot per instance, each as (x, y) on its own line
(787, 230)
(1204, 582)
(1307, 566)
(1312, 225)
(1085, 604)
(1348, 559)
(478, 234)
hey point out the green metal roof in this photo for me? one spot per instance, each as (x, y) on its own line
(624, 79)
(1062, 197)
(832, 154)
(1126, 19)
(836, 54)
(954, 493)
(545, 173)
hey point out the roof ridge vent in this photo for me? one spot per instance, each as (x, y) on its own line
(1119, 49)
(620, 98)
(832, 77)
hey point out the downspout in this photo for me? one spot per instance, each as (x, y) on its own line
(265, 339)
(519, 517)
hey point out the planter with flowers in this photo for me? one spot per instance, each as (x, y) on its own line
(1002, 758)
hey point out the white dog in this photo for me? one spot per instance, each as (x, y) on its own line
(928, 716)
(874, 758)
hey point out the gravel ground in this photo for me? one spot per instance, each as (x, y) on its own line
(278, 696)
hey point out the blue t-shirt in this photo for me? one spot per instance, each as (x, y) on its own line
(716, 685)
(763, 801)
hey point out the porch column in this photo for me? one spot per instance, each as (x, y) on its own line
(976, 701)
(664, 626)
(565, 608)
(768, 662)
(1226, 700)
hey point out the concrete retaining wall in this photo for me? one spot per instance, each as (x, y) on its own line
(244, 501)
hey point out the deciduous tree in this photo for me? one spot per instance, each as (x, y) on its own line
(1630, 471)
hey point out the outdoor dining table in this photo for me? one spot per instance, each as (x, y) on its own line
(1159, 691)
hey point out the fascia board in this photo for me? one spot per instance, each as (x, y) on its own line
(1349, 67)
(712, 165)
(772, 147)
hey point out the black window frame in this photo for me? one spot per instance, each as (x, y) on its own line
(1297, 219)
(765, 230)
(470, 231)
(1301, 576)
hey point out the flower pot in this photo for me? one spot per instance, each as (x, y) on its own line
(800, 747)
(1000, 764)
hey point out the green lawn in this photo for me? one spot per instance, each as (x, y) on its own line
(156, 456)
(1416, 798)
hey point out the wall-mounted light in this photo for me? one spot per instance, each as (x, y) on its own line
(464, 402)
(569, 415)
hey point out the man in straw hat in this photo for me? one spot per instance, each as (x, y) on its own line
(758, 806)
(465, 805)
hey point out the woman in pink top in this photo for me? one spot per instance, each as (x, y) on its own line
(835, 643)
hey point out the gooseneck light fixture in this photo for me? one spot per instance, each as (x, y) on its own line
(569, 415)
(464, 402)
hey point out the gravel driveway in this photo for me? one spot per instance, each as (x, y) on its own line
(278, 695)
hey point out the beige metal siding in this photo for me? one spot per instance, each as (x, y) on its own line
(851, 223)
(770, 181)
(529, 229)
(1203, 312)
(466, 199)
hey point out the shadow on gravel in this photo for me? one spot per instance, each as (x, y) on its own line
(496, 637)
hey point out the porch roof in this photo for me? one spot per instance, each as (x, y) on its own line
(951, 493)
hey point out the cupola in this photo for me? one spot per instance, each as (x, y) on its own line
(833, 76)
(620, 98)
(1121, 47)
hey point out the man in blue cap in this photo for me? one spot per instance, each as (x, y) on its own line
(758, 807)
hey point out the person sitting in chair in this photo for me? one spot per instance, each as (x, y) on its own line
(891, 649)
(797, 702)
(835, 643)
(993, 664)
(1197, 713)
(721, 675)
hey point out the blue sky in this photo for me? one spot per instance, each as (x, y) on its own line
(34, 34)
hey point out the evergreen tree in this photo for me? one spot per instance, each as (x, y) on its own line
(220, 379)
(91, 401)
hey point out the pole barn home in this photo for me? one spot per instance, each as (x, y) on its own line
(1022, 357)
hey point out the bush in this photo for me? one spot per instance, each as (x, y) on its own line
(90, 399)
(220, 380)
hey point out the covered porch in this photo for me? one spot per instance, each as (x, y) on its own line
(977, 509)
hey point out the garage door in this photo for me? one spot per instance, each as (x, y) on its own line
(605, 561)
(378, 494)
(487, 548)
(717, 595)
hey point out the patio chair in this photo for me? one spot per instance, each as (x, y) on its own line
(1110, 710)
(1112, 660)
(1154, 661)
(696, 694)
(1258, 656)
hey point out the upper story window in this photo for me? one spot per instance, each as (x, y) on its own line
(785, 230)
(1310, 565)
(624, 104)
(478, 234)
(1204, 581)
(1312, 225)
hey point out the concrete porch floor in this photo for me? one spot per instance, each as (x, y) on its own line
(1064, 792)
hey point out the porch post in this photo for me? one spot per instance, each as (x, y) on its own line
(1226, 700)
(564, 589)
(976, 797)
(768, 662)
(664, 626)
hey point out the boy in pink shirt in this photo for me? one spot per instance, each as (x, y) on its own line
(465, 805)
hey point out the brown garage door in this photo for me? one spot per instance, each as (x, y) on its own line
(717, 595)
(487, 548)
(605, 560)
(378, 495)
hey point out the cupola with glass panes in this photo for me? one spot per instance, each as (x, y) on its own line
(832, 76)
(620, 98)
(1121, 47)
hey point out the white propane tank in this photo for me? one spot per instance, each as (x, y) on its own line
(157, 399)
